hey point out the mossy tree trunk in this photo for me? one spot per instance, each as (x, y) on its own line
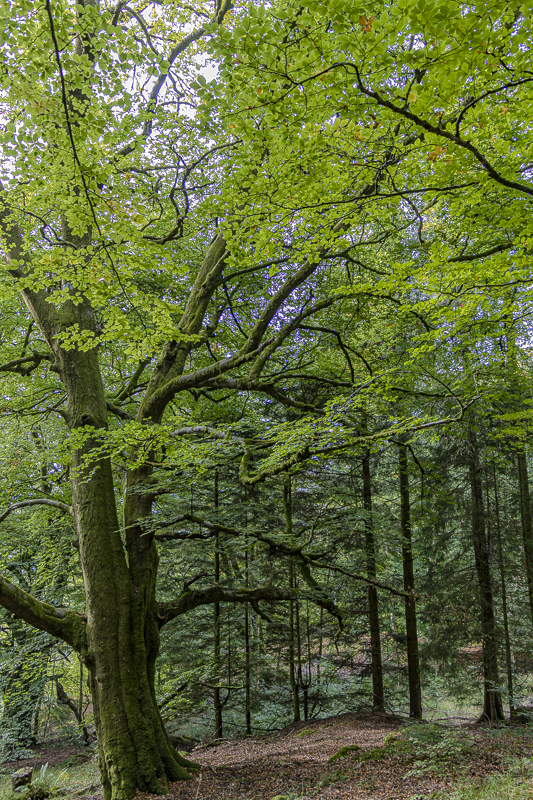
(121, 640)
(118, 636)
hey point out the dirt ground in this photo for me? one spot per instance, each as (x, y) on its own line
(295, 762)
(53, 753)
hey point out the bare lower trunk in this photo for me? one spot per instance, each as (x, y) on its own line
(413, 665)
(527, 522)
(134, 750)
(293, 678)
(492, 702)
(378, 703)
(217, 702)
(122, 643)
(508, 654)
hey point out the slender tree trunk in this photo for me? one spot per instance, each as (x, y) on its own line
(217, 703)
(247, 676)
(413, 665)
(292, 660)
(517, 393)
(508, 654)
(373, 607)
(293, 678)
(492, 703)
(527, 522)
(320, 648)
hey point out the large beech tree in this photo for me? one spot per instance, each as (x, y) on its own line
(163, 253)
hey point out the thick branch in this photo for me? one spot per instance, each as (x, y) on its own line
(192, 598)
(442, 132)
(24, 366)
(499, 248)
(37, 501)
(132, 384)
(118, 412)
(60, 622)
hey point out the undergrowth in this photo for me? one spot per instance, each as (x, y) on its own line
(64, 780)
(496, 787)
(426, 749)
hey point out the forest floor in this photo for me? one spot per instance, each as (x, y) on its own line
(385, 759)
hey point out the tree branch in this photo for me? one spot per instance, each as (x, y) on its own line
(60, 622)
(499, 248)
(133, 382)
(17, 365)
(37, 501)
(118, 412)
(187, 40)
(192, 598)
(442, 132)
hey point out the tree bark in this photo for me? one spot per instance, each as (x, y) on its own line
(247, 669)
(508, 654)
(293, 680)
(378, 703)
(527, 521)
(413, 664)
(492, 703)
(121, 634)
(217, 702)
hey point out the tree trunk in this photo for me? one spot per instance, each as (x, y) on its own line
(413, 665)
(492, 703)
(293, 680)
(527, 522)
(508, 654)
(217, 703)
(373, 607)
(121, 641)
(247, 676)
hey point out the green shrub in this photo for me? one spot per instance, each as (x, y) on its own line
(45, 784)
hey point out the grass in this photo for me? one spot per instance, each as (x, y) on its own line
(63, 780)
(516, 784)
(502, 787)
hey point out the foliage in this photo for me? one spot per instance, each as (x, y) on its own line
(436, 750)
(245, 250)
(44, 784)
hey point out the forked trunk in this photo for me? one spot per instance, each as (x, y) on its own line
(122, 633)
(122, 647)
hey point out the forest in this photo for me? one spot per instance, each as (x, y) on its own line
(266, 396)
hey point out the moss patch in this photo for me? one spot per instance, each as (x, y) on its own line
(349, 748)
